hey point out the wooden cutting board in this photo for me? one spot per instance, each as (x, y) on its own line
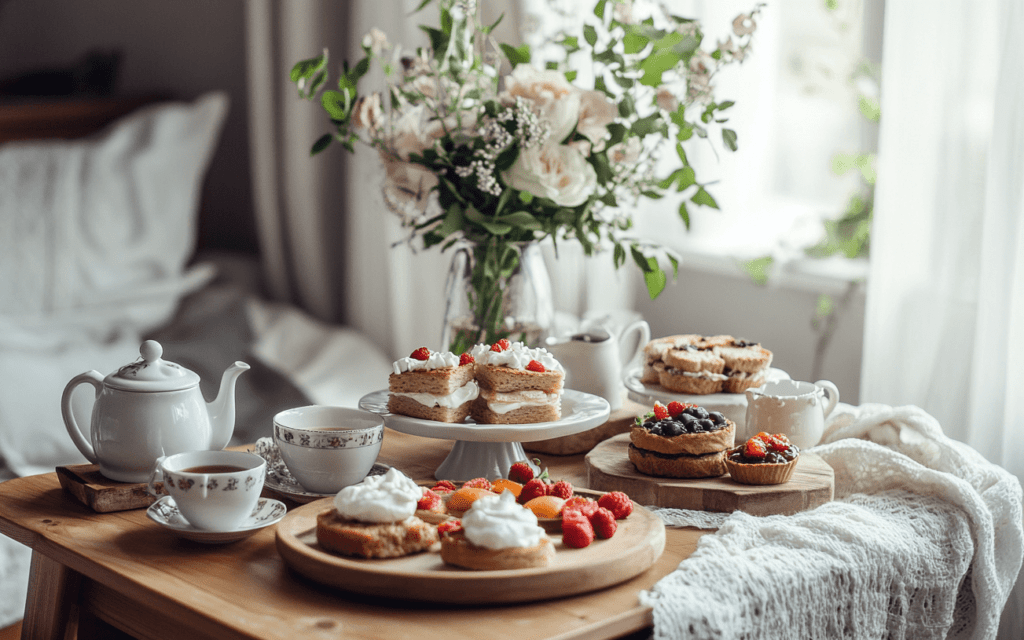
(609, 469)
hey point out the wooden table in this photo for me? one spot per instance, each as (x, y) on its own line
(104, 574)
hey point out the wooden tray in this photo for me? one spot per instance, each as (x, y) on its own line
(101, 494)
(609, 469)
(637, 544)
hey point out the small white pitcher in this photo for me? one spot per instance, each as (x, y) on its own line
(594, 361)
(797, 409)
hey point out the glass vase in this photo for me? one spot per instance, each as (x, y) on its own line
(497, 290)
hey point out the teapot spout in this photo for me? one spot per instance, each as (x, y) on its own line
(222, 410)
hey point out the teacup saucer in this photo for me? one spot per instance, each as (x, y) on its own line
(281, 481)
(165, 513)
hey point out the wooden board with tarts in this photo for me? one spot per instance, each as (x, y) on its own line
(638, 542)
(811, 485)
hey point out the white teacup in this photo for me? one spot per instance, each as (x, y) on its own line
(797, 409)
(214, 490)
(328, 448)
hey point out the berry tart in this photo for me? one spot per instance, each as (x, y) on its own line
(681, 441)
(517, 384)
(763, 459)
(433, 385)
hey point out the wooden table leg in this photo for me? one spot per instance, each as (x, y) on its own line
(52, 595)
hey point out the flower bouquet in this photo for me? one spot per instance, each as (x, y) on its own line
(486, 148)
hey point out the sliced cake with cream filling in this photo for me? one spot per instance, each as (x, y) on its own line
(517, 384)
(433, 385)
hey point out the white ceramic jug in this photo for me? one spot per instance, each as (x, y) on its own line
(594, 361)
(797, 409)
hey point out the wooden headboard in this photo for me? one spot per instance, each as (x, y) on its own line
(67, 118)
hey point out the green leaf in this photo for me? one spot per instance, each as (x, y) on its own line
(619, 257)
(729, 138)
(640, 259)
(307, 68)
(654, 279)
(602, 167)
(634, 42)
(655, 65)
(525, 197)
(453, 221)
(570, 75)
(702, 197)
(491, 28)
(870, 108)
(590, 34)
(336, 104)
(681, 152)
(438, 40)
(322, 143)
(687, 178)
(516, 55)
(684, 213)
(626, 106)
(599, 8)
(523, 220)
(650, 124)
(759, 269)
(617, 133)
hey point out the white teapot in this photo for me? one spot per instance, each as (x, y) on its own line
(148, 409)
(594, 360)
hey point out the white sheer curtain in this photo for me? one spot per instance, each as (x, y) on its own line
(944, 325)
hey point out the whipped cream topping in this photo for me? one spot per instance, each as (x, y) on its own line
(391, 497)
(515, 357)
(506, 402)
(437, 360)
(457, 398)
(704, 375)
(498, 522)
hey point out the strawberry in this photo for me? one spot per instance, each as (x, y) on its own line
(579, 504)
(778, 442)
(422, 353)
(561, 489)
(520, 472)
(535, 366)
(446, 486)
(480, 483)
(618, 503)
(449, 526)
(577, 532)
(603, 522)
(755, 448)
(533, 489)
(466, 358)
(675, 408)
(501, 345)
(764, 436)
(430, 500)
(660, 411)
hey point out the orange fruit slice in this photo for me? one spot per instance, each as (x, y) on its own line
(464, 498)
(504, 484)
(545, 506)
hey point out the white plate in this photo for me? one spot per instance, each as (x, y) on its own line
(280, 480)
(580, 412)
(165, 513)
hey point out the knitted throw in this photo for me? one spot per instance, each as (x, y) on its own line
(923, 540)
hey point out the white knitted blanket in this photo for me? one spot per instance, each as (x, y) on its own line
(923, 540)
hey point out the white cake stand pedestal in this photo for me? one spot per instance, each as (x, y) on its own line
(488, 450)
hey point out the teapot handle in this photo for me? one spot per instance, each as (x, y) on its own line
(644, 336)
(831, 393)
(77, 435)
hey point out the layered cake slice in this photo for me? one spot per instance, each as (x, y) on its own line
(517, 384)
(433, 385)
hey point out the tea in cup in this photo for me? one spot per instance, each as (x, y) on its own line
(214, 490)
(328, 448)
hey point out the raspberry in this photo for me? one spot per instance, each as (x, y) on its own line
(501, 345)
(755, 448)
(465, 359)
(778, 442)
(430, 500)
(675, 408)
(520, 472)
(577, 532)
(444, 485)
(479, 483)
(420, 354)
(660, 412)
(603, 522)
(561, 489)
(533, 489)
(618, 503)
(449, 526)
(535, 366)
(581, 505)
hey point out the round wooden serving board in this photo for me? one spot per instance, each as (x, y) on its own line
(637, 544)
(609, 469)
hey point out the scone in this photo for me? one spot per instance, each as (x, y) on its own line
(693, 364)
(681, 441)
(517, 384)
(746, 364)
(763, 459)
(375, 519)
(497, 534)
(432, 385)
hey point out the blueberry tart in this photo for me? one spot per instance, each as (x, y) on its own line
(681, 441)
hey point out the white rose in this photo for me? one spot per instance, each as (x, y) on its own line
(596, 113)
(667, 100)
(407, 186)
(626, 152)
(366, 113)
(554, 100)
(376, 41)
(407, 134)
(553, 171)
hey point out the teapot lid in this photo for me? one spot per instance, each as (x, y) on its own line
(152, 373)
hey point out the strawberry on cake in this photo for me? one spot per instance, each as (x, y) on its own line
(517, 384)
(433, 385)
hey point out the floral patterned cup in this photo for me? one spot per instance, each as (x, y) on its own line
(328, 448)
(214, 490)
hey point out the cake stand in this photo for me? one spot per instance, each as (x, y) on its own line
(488, 450)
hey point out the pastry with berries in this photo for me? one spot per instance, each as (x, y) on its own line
(763, 459)
(681, 441)
(496, 533)
(433, 385)
(693, 364)
(518, 384)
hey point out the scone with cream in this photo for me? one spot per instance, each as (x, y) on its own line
(433, 385)
(375, 519)
(497, 533)
(517, 384)
(693, 364)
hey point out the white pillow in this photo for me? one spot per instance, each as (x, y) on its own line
(97, 231)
